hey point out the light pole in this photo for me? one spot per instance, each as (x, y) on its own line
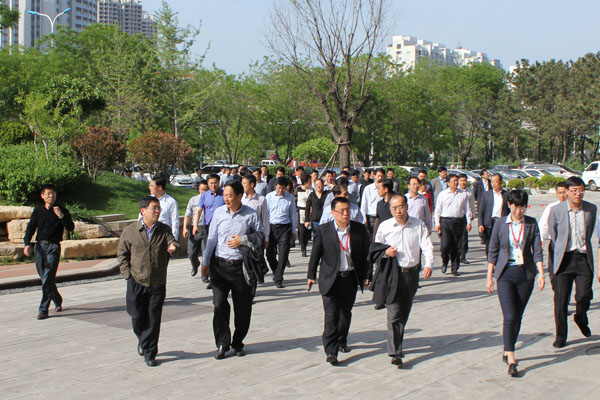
(52, 21)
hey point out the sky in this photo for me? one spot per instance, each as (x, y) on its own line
(508, 30)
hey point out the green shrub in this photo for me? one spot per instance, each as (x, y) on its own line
(548, 181)
(532, 182)
(79, 212)
(13, 132)
(22, 173)
(516, 183)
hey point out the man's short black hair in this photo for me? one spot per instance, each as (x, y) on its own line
(245, 171)
(337, 201)
(314, 171)
(236, 186)
(422, 171)
(342, 180)
(355, 173)
(213, 176)
(574, 181)
(483, 171)
(305, 178)
(561, 184)
(391, 169)
(498, 175)
(300, 168)
(47, 186)
(145, 201)
(518, 197)
(450, 176)
(250, 179)
(203, 182)
(283, 181)
(280, 169)
(344, 173)
(388, 184)
(160, 180)
(380, 170)
(413, 177)
(328, 171)
(227, 168)
(461, 176)
(441, 168)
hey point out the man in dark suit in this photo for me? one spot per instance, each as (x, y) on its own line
(438, 184)
(570, 226)
(493, 205)
(342, 247)
(482, 185)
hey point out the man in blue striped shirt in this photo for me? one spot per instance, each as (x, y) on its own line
(282, 217)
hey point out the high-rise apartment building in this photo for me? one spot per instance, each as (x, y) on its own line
(408, 50)
(128, 14)
(32, 28)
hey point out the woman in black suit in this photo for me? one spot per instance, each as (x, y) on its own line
(514, 259)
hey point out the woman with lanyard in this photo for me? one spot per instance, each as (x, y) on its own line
(514, 259)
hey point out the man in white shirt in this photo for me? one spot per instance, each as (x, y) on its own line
(257, 202)
(369, 200)
(407, 237)
(418, 205)
(561, 195)
(452, 215)
(462, 184)
(169, 213)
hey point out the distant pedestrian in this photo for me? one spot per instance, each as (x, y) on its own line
(418, 204)
(439, 184)
(385, 190)
(170, 210)
(49, 221)
(369, 200)
(302, 193)
(143, 256)
(196, 243)
(492, 206)
(314, 205)
(464, 248)
(391, 175)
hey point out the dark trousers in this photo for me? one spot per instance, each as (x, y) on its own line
(487, 235)
(399, 310)
(337, 304)
(370, 224)
(279, 245)
(144, 306)
(514, 290)
(303, 236)
(573, 268)
(452, 236)
(196, 245)
(464, 245)
(47, 256)
(226, 278)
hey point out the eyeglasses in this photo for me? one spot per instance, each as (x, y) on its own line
(343, 211)
(396, 208)
(575, 191)
(154, 208)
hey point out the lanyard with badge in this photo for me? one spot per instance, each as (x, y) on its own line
(346, 251)
(518, 253)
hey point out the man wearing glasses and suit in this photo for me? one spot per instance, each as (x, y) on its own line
(570, 227)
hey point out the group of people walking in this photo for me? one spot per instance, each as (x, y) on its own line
(365, 235)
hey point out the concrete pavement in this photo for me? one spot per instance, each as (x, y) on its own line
(453, 344)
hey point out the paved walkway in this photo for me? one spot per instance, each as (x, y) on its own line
(453, 345)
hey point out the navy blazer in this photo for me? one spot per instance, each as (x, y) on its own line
(326, 249)
(485, 207)
(531, 245)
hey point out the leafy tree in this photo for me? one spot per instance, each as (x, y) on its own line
(320, 149)
(100, 148)
(157, 151)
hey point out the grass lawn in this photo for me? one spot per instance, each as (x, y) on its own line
(114, 194)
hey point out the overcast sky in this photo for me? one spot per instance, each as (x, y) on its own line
(508, 30)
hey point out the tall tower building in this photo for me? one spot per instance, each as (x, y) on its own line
(128, 14)
(32, 28)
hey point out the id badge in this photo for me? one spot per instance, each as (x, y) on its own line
(518, 257)
(348, 260)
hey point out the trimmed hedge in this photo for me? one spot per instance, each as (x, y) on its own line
(531, 182)
(22, 173)
(549, 181)
(516, 183)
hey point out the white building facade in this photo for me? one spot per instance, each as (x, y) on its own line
(408, 50)
(128, 14)
(32, 28)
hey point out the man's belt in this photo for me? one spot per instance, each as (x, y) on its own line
(223, 261)
(48, 242)
(345, 274)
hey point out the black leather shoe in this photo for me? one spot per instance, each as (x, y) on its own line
(397, 360)
(42, 315)
(379, 306)
(344, 348)
(512, 370)
(279, 285)
(465, 261)
(221, 352)
(204, 278)
(140, 350)
(444, 268)
(505, 359)
(303, 251)
(240, 353)
(455, 273)
(209, 286)
(584, 328)
(331, 359)
(559, 343)
(151, 362)
(194, 271)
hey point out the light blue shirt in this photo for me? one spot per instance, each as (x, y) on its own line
(149, 231)
(355, 214)
(223, 225)
(282, 209)
(261, 188)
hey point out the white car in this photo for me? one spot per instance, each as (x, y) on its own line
(591, 175)
(181, 179)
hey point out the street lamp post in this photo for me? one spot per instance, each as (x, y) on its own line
(52, 20)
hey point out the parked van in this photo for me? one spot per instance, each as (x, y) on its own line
(591, 175)
(268, 162)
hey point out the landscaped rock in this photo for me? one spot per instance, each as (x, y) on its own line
(16, 230)
(8, 213)
(90, 231)
(89, 248)
(13, 251)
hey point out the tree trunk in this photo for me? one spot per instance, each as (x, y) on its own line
(538, 146)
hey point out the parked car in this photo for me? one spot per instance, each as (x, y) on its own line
(180, 178)
(268, 162)
(591, 175)
(536, 173)
(471, 177)
(211, 169)
(555, 169)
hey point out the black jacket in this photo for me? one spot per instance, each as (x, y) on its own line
(385, 281)
(485, 206)
(255, 266)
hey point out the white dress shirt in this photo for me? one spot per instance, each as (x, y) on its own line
(344, 238)
(409, 239)
(498, 203)
(577, 231)
(370, 198)
(543, 223)
(452, 205)
(169, 214)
